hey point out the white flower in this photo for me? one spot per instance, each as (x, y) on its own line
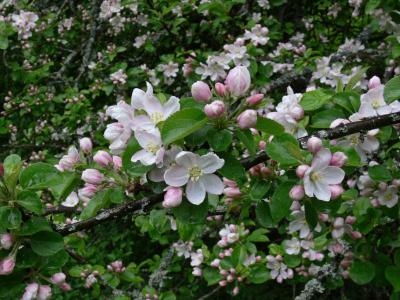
(119, 77)
(71, 201)
(183, 248)
(293, 246)
(169, 70)
(153, 151)
(299, 224)
(388, 197)
(157, 174)
(197, 172)
(25, 21)
(196, 258)
(122, 112)
(257, 35)
(118, 134)
(373, 104)
(140, 41)
(320, 175)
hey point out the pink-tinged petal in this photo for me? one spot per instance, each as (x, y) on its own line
(146, 138)
(137, 98)
(195, 192)
(304, 231)
(321, 159)
(187, 159)
(151, 103)
(176, 176)
(212, 183)
(332, 175)
(308, 186)
(210, 163)
(171, 107)
(160, 157)
(384, 110)
(370, 144)
(322, 191)
(146, 158)
(142, 122)
(366, 110)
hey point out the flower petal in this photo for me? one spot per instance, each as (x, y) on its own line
(137, 98)
(195, 192)
(187, 159)
(210, 163)
(321, 159)
(322, 191)
(146, 138)
(142, 122)
(145, 157)
(212, 183)
(308, 186)
(176, 176)
(332, 175)
(171, 106)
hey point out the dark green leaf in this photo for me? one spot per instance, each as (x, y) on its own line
(246, 137)
(314, 100)
(269, 126)
(362, 272)
(34, 225)
(280, 202)
(379, 173)
(30, 200)
(392, 90)
(219, 140)
(47, 243)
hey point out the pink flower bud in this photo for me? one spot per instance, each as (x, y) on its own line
(235, 291)
(117, 161)
(238, 81)
(102, 158)
(338, 223)
(374, 82)
(197, 271)
(92, 176)
(65, 287)
(215, 263)
(247, 119)
(201, 91)
(31, 291)
(58, 278)
(350, 220)
(356, 235)
(262, 145)
(396, 182)
(297, 192)
(336, 191)
(301, 170)
(223, 283)
(254, 99)
(297, 112)
(229, 182)
(220, 89)
(323, 217)
(44, 292)
(215, 109)
(6, 241)
(314, 144)
(338, 159)
(351, 183)
(375, 203)
(232, 192)
(86, 145)
(7, 265)
(173, 197)
(229, 278)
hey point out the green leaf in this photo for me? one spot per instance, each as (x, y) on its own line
(258, 235)
(263, 215)
(38, 176)
(259, 274)
(392, 274)
(397, 257)
(362, 272)
(134, 169)
(258, 189)
(219, 140)
(246, 137)
(47, 243)
(99, 201)
(285, 150)
(355, 79)
(34, 225)
(30, 200)
(63, 184)
(392, 90)
(379, 173)
(181, 124)
(323, 119)
(232, 168)
(311, 214)
(269, 126)
(10, 217)
(189, 213)
(350, 101)
(314, 100)
(239, 255)
(12, 167)
(280, 202)
(211, 275)
(292, 261)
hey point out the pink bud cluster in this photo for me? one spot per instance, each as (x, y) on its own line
(232, 191)
(91, 278)
(36, 291)
(7, 265)
(260, 170)
(230, 234)
(68, 162)
(116, 266)
(173, 197)
(342, 226)
(59, 280)
(279, 270)
(6, 241)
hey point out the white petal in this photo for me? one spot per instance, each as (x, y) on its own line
(308, 186)
(384, 110)
(195, 192)
(370, 144)
(332, 175)
(145, 157)
(142, 122)
(176, 176)
(171, 106)
(137, 98)
(71, 201)
(187, 159)
(212, 183)
(160, 157)
(210, 163)
(322, 191)
(321, 159)
(146, 138)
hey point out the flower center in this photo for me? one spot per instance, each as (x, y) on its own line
(375, 103)
(195, 173)
(157, 117)
(388, 196)
(316, 176)
(152, 148)
(354, 139)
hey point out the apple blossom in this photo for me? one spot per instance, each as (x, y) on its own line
(197, 173)
(58, 278)
(297, 192)
(254, 99)
(215, 109)
(220, 89)
(173, 197)
(247, 119)
(7, 265)
(103, 158)
(374, 82)
(201, 91)
(314, 144)
(153, 151)
(6, 241)
(71, 201)
(31, 291)
(85, 144)
(44, 292)
(320, 175)
(238, 81)
(301, 170)
(92, 176)
(117, 162)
